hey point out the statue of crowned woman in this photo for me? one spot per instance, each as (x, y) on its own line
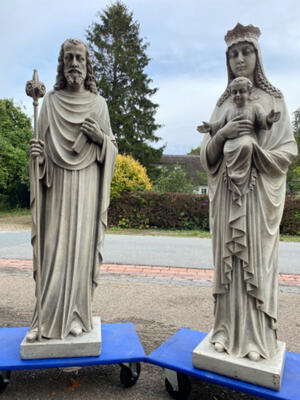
(246, 163)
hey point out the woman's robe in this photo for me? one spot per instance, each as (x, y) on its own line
(246, 237)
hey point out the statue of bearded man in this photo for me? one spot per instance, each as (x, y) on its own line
(76, 153)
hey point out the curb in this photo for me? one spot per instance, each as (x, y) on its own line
(151, 271)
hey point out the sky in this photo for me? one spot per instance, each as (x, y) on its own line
(186, 47)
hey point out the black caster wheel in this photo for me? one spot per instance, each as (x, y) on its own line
(129, 374)
(4, 380)
(184, 387)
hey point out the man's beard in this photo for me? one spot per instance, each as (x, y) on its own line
(74, 80)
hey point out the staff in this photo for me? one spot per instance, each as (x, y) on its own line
(37, 89)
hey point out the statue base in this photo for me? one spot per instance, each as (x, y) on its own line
(86, 345)
(266, 373)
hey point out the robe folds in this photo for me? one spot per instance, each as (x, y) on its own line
(238, 152)
(74, 198)
(246, 236)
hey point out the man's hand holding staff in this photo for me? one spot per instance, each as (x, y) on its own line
(37, 89)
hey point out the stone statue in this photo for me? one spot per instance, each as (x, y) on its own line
(242, 106)
(76, 151)
(246, 156)
(237, 152)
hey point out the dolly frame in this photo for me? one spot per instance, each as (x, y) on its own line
(175, 357)
(120, 345)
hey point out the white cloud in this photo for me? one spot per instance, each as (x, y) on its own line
(184, 103)
(186, 47)
(289, 84)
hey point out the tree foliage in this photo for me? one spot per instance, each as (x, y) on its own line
(195, 151)
(173, 180)
(201, 175)
(120, 59)
(15, 134)
(293, 175)
(202, 178)
(129, 176)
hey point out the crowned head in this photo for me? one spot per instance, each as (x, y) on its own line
(242, 33)
(243, 58)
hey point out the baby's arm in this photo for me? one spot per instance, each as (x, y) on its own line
(205, 128)
(264, 121)
(273, 117)
(212, 127)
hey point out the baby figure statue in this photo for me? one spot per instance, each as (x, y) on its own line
(238, 151)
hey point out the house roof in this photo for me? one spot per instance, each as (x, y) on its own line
(191, 163)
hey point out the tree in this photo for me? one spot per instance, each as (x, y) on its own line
(15, 134)
(201, 175)
(173, 180)
(129, 176)
(293, 175)
(195, 151)
(119, 56)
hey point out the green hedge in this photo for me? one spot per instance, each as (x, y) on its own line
(159, 210)
(290, 223)
(180, 211)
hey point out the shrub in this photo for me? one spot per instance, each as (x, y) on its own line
(173, 180)
(181, 211)
(290, 223)
(159, 210)
(129, 176)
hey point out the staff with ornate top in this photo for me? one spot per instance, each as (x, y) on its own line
(36, 90)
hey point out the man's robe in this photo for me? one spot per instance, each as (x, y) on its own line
(74, 198)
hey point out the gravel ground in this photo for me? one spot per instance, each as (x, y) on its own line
(158, 310)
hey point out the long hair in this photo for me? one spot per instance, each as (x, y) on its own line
(61, 82)
(260, 80)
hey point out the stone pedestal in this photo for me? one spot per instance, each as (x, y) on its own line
(85, 345)
(266, 373)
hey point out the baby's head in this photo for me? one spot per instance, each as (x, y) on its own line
(240, 90)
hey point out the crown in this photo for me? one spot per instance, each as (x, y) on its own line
(242, 33)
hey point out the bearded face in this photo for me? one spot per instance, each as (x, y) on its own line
(75, 64)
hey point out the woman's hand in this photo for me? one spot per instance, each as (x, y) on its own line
(238, 126)
(37, 150)
(91, 129)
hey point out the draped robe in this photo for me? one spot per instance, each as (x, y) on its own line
(238, 151)
(246, 236)
(74, 198)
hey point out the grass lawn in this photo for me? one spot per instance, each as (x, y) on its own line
(14, 212)
(160, 232)
(15, 220)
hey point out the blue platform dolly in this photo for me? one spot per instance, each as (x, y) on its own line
(120, 345)
(175, 357)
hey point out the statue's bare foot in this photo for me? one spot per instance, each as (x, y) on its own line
(254, 356)
(32, 335)
(76, 329)
(219, 347)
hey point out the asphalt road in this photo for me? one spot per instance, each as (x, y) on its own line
(151, 250)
